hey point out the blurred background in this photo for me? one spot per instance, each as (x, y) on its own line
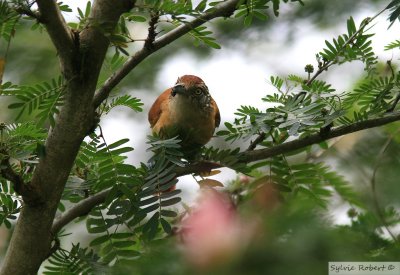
(238, 74)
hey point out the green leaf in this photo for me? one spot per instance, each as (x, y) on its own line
(351, 26)
(100, 240)
(331, 47)
(150, 228)
(393, 45)
(201, 6)
(166, 226)
(150, 208)
(123, 244)
(393, 4)
(248, 20)
(121, 235)
(128, 253)
(168, 213)
(170, 201)
(201, 34)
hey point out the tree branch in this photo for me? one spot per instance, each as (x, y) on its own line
(151, 36)
(260, 138)
(60, 34)
(80, 209)
(223, 9)
(290, 146)
(84, 206)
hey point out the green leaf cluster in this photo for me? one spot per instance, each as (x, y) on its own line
(9, 202)
(296, 109)
(8, 20)
(125, 100)
(257, 9)
(373, 96)
(353, 45)
(310, 181)
(138, 206)
(44, 100)
(76, 261)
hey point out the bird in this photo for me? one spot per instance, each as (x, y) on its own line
(186, 110)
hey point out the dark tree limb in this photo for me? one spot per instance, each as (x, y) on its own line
(84, 206)
(224, 9)
(60, 34)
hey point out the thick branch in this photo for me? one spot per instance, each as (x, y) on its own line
(223, 9)
(60, 34)
(86, 205)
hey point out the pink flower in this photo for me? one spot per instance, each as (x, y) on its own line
(212, 233)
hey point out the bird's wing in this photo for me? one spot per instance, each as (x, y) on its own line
(156, 108)
(217, 116)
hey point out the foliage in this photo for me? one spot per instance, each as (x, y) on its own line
(140, 215)
(77, 260)
(43, 99)
(125, 100)
(10, 205)
(139, 198)
(8, 19)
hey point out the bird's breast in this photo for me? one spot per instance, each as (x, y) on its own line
(193, 124)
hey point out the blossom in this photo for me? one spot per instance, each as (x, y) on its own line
(213, 232)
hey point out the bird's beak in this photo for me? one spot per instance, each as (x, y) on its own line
(178, 89)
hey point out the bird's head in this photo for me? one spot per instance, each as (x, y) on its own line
(192, 89)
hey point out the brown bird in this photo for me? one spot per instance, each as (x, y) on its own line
(186, 110)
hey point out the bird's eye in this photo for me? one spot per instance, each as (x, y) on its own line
(198, 91)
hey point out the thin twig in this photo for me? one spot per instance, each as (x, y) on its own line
(260, 138)
(377, 205)
(28, 12)
(151, 36)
